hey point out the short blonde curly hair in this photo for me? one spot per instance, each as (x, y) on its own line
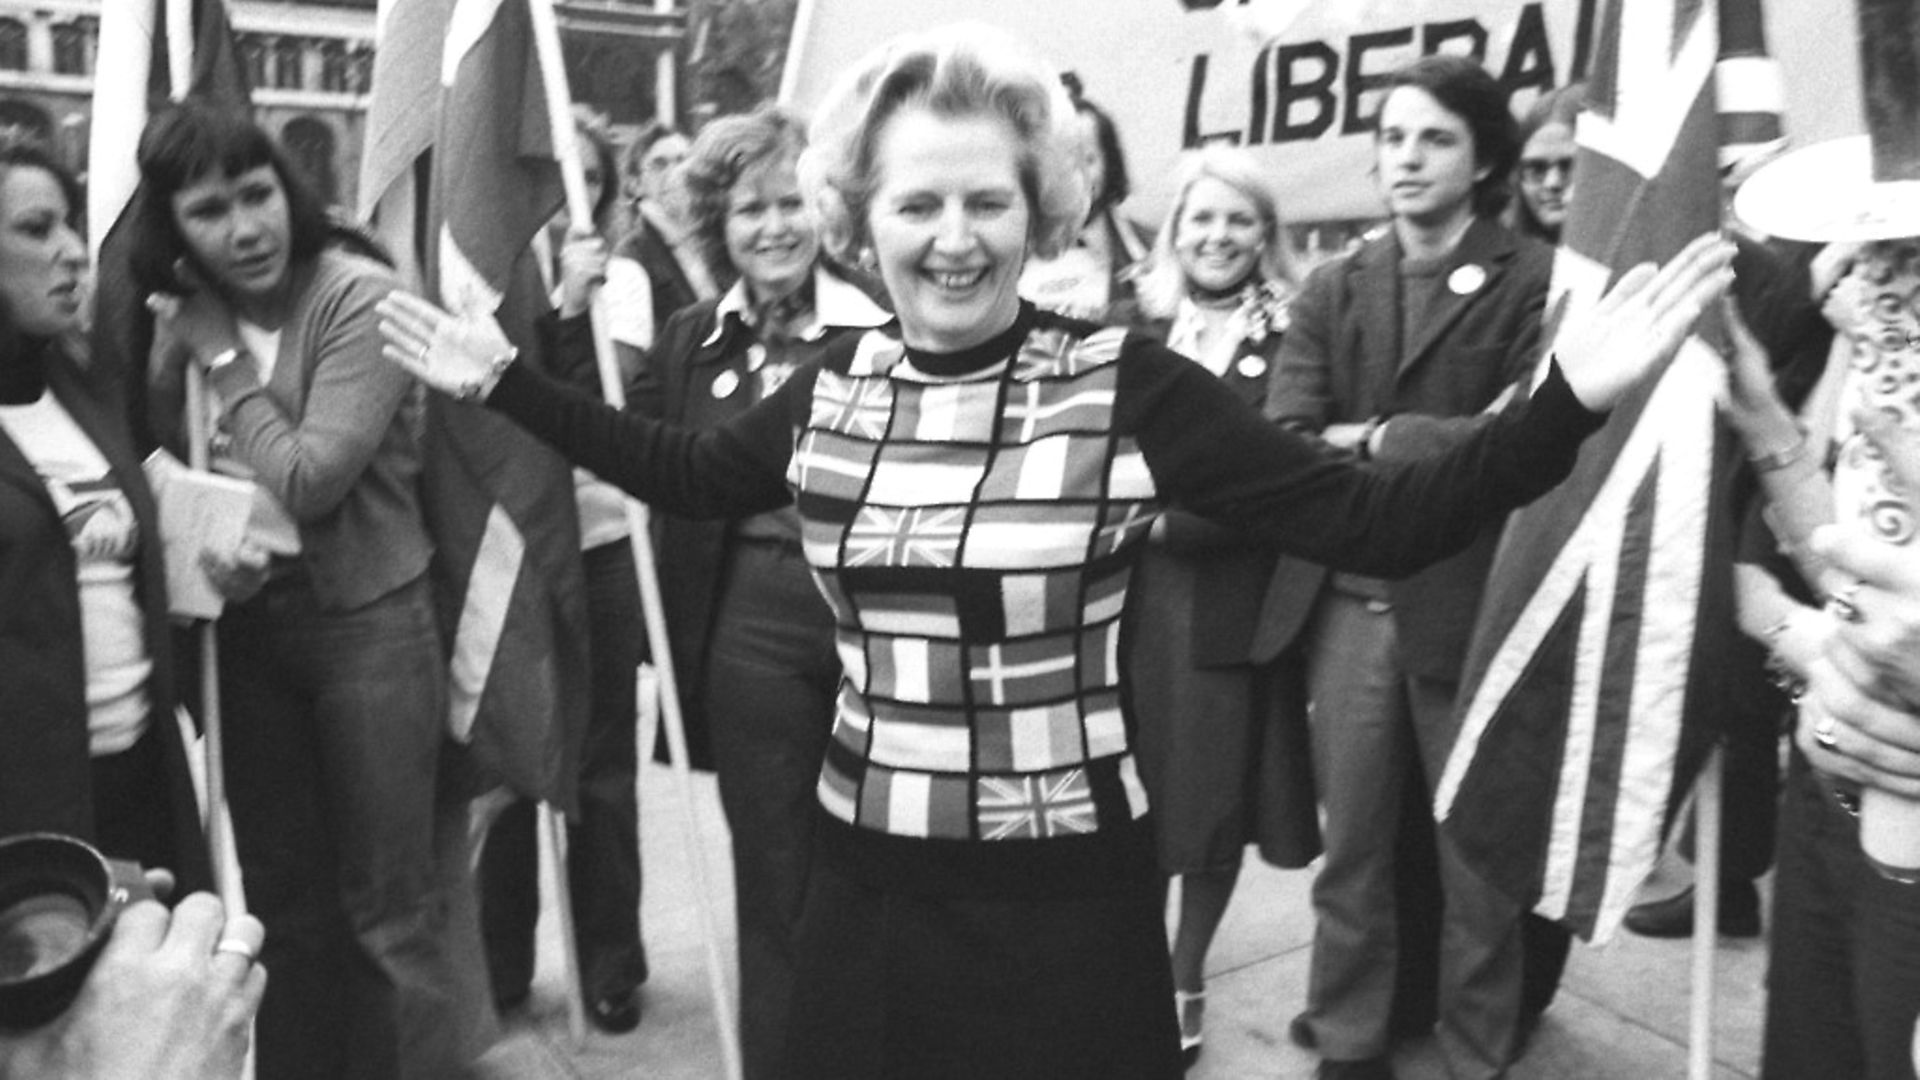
(955, 71)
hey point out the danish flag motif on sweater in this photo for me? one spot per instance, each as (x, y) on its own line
(974, 540)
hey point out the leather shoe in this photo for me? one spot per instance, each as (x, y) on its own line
(1673, 916)
(1191, 1007)
(1300, 1031)
(615, 1014)
(1373, 1068)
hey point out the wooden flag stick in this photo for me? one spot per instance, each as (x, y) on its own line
(546, 38)
(220, 845)
(1706, 912)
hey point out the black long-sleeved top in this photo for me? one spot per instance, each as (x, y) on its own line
(973, 518)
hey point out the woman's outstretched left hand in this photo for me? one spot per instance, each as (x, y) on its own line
(459, 356)
(1640, 322)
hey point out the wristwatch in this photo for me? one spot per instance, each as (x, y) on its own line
(222, 359)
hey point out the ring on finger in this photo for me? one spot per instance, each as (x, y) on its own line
(238, 947)
(1826, 732)
(1845, 603)
(421, 356)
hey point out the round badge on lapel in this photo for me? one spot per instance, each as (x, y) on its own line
(1251, 366)
(725, 383)
(1467, 279)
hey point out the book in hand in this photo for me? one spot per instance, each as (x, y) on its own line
(199, 512)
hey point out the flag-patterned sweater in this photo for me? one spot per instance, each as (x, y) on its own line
(974, 519)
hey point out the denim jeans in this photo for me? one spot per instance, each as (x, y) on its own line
(1370, 723)
(1843, 978)
(334, 723)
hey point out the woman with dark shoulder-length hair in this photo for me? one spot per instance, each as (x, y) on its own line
(332, 676)
(88, 742)
(973, 488)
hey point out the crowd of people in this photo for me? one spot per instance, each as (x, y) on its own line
(1023, 566)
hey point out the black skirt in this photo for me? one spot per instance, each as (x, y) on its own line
(897, 986)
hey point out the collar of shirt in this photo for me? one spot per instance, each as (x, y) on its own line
(836, 302)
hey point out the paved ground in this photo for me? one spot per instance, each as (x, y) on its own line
(1621, 1014)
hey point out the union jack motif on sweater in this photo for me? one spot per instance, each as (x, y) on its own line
(973, 539)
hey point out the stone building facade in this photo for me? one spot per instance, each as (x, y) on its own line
(311, 67)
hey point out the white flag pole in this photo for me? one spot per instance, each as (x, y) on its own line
(220, 843)
(1706, 912)
(546, 38)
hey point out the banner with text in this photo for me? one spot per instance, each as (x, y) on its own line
(1296, 81)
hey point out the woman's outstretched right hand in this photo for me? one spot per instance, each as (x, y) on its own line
(460, 356)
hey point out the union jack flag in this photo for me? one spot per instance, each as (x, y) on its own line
(1584, 688)
(852, 406)
(1034, 807)
(1047, 354)
(914, 536)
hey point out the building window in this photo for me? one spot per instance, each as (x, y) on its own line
(24, 120)
(333, 67)
(360, 70)
(71, 42)
(312, 146)
(253, 55)
(13, 45)
(287, 56)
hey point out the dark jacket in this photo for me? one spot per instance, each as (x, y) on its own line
(1234, 624)
(671, 289)
(1477, 342)
(1226, 559)
(696, 357)
(45, 781)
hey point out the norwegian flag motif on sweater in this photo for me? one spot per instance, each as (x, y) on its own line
(973, 538)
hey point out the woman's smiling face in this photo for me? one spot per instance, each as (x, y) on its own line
(771, 236)
(949, 223)
(1219, 236)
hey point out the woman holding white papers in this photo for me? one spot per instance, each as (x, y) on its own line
(333, 680)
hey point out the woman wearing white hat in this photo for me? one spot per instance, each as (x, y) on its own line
(1844, 977)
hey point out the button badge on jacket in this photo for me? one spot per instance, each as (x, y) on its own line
(1467, 280)
(725, 383)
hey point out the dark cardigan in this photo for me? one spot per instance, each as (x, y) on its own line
(45, 780)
